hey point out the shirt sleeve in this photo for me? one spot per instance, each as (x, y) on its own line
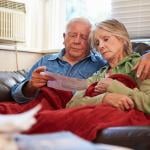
(80, 100)
(140, 96)
(16, 90)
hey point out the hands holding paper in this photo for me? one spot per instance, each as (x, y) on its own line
(39, 77)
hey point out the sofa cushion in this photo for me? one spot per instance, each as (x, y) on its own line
(140, 48)
(7, 80)
(136, 137)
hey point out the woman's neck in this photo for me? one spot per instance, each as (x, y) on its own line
(114, 61)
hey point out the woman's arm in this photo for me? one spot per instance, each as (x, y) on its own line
(140, 96)
(80, 100)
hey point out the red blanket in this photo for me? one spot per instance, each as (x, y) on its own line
(49, 98)
(84, 121)
(87, 121)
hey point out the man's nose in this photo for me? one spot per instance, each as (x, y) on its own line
(77, 39)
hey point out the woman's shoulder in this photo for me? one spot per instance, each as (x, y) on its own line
(98, 75)
(127, 64)
(131, 59)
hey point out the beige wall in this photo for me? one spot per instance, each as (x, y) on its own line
(10, 59)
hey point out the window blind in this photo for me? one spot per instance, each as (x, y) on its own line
(135, 14)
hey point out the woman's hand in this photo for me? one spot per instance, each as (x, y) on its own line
(102, 85)
(119, 101)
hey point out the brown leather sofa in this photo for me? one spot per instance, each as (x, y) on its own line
(7, 80)
(136, 137)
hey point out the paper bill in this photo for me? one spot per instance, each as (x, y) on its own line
(66, 83)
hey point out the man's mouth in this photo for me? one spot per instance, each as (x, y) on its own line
(76, 48)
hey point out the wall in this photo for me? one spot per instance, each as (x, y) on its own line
(9, 59)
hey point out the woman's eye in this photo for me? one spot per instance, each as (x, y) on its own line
(106, 39)
(97, 43)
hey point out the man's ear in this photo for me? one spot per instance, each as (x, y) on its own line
(64, 35)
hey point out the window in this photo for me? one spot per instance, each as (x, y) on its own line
(59, 12)
(94, 10)
(135, 15)
(35, 24)
(46, 19)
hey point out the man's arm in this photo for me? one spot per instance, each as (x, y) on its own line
(17, 90)
(143, 67)
(30, 88)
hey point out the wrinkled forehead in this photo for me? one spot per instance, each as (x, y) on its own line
(100, 33)
(79, 27)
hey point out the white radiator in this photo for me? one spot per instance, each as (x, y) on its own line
(12, 21)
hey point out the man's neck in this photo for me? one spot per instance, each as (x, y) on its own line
(72, 60)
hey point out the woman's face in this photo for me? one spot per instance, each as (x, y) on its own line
(108, 45)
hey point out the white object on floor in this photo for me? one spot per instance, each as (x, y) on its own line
(60, 141)
(18, 122)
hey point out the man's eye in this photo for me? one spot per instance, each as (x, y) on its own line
(72, 34)
(84, 37)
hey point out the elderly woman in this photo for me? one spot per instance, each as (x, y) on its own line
(111, 39)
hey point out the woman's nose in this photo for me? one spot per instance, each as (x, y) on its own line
(100, 46)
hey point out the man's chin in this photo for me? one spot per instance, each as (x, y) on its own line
(77, 57)
(75, 54)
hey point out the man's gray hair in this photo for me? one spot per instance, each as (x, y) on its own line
(79, 19)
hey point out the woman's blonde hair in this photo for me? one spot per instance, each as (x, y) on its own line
(117, 29)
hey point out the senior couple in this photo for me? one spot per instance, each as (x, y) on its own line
(111, 39)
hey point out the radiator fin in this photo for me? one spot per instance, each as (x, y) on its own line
(12, 21)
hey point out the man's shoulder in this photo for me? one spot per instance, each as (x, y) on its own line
(51, 56)
(95, 56)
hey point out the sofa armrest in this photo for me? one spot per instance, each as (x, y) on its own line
(7, 80)
(136, 137)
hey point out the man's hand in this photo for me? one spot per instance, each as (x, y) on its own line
(37, 81)
(39, 77)
(119, 101)
(143, 67)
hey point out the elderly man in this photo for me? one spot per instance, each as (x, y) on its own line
(75, 60)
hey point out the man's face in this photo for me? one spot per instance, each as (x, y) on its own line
(76, 40)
